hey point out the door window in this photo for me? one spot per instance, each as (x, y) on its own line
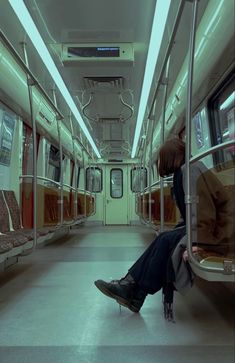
(116, 183)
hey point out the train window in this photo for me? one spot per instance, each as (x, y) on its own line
(94, 179)
(53, 166)
(222, 111)
(78, 176)
(198, 130)
(71, 172)
(138, 179)
(116, 183)
(7, 125)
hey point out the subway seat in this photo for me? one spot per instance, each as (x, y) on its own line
(8, 238)
(206, 258)
(5, 245)
(213, 259)
(13, 235)
(16, 220)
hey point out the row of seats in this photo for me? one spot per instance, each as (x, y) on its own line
(12, 234)
(170, 210)
(15, 239)
(52, 207)
(49, 205)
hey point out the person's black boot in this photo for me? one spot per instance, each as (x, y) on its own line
(124, 291)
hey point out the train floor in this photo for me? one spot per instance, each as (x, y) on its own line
(51, 312)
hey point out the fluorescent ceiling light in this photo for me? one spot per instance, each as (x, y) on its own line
(30, 28)
(159, 22)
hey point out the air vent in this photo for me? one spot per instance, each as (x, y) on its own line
(103, 81)
(109, 119)
(115, 161)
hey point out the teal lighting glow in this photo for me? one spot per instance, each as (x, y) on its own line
(159, 22)
(27, 22)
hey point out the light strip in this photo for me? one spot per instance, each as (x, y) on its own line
(27, 22)
(159, 22)
(228, 101)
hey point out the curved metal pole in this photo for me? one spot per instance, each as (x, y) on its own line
(128, 106)
(31, 83)
(188, 197)
(85, 106)
(224, 145)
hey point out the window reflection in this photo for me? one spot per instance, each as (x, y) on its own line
(94, 179)
(223, 119)
(138, 179)
(7, 125)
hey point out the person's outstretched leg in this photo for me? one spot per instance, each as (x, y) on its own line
(125, 291)
(147, 274)
(149, 271)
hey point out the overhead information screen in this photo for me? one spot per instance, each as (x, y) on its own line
(96, 52)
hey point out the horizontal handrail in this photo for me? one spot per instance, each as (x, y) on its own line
(166, 179)
(212, 150)
(82, 190)
(89, 192)
(57, 184)
(40, 178)
(69, 186)
(196, 158)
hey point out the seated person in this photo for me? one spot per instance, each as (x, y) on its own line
(148, 274)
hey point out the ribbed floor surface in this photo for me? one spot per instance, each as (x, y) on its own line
(51, 312)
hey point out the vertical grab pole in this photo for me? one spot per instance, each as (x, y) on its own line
(188, 198)
(150, 162)
(83, 165)
(89, 186)
(30, 84)
(75, 205)
(61, 164)
(144, 163)
(84, 178)
(165, 83)
(142, 185)
(93, 194)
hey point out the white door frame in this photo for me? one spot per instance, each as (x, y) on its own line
(116, 210)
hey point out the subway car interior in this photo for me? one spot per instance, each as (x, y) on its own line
(89, 93)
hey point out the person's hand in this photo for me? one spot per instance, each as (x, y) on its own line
(195, 250)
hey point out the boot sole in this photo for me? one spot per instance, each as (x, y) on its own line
(120, 300)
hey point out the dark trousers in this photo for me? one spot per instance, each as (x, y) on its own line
(150, 270)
